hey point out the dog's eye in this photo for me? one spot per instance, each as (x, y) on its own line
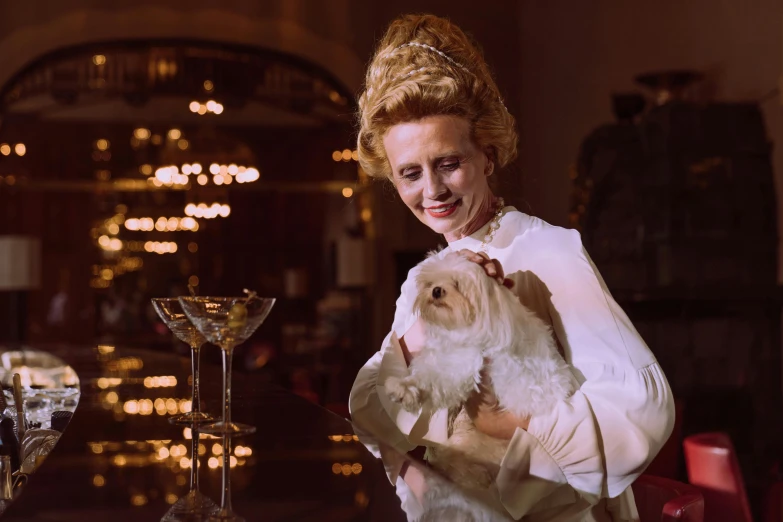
(456, 284)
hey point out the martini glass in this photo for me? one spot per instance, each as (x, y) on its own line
(227, 322)
(170, 311)
(193, 507)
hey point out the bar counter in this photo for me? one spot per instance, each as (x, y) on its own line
(121, 460)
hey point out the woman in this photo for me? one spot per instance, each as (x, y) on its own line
(433, 122)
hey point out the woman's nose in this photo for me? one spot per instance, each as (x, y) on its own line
(435, 186)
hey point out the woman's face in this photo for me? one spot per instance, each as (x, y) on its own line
(440, 174)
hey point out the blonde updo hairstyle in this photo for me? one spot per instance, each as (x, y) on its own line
(426, 66)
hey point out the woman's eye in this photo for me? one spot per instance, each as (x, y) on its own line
(410, 175)
(453, 165)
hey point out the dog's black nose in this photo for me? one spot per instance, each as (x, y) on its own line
(437, 292)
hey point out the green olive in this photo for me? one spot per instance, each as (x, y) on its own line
(237, 316)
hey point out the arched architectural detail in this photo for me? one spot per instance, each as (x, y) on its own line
(29, 42)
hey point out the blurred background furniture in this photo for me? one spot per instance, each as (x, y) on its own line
(666, 500)
(713, 468)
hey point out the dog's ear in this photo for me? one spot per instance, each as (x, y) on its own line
(495, 312)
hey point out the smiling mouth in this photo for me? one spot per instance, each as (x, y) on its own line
(444, 210)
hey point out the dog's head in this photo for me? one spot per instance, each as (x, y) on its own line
(454, 294)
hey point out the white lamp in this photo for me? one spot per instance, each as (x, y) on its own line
(20, 263)
(20, 270)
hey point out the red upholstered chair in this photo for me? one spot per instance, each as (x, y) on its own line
(713, 467)
(660, 499)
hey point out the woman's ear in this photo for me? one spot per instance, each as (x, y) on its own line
(489, 152)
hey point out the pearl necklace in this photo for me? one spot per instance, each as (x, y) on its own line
(494, 225)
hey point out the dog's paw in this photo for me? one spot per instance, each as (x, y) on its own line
(403, 392)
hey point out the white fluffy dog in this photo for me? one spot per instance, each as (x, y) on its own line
(472, 323)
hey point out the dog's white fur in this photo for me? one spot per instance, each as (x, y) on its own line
(472, 323)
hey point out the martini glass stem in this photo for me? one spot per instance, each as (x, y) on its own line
(194, 459)
(195, 356)
(228, 355)
(225, 500)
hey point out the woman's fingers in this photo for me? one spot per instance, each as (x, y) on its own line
(492, 267)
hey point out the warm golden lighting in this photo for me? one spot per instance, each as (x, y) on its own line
(171, 407)
(139, 500)
(119, 460)
(192, 247)
(190, 209)
(212, 463)
(347, 155)
(232, 461)
(112, 397)
(183, 144)
(99, 59)
(20, 149)
(131, 407)
(107, 274)
(105, 349)
(366, 215)
(337, 155)
(196, 168)
(163, 453)
(194, 106)
(347, 192)
(202, 179)
(171, 498)
(214, 168)
(193, 280)
(175, 134)
(208, 85)
(218, 108)
(5, 149)
(217, 449)
(248, 175)
(141, 133)
(355, 155)
(184, 463)
(102, 144)
(98, 481)
(113, 229)
(181, 480)
(202, 109)
(146, 169)
(336, 468)
(156, 139)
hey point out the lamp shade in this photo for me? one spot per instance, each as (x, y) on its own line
(20, 263)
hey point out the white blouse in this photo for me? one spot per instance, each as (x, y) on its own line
(577, 462)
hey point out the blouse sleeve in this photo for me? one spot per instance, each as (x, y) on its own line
(604, 436)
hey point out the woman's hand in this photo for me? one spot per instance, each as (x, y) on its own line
(412, 341)
(487, 415)
(492, 267)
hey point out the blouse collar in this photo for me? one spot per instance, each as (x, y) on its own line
(473, 241)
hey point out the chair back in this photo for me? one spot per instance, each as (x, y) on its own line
(660, 499)
(713, 468)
